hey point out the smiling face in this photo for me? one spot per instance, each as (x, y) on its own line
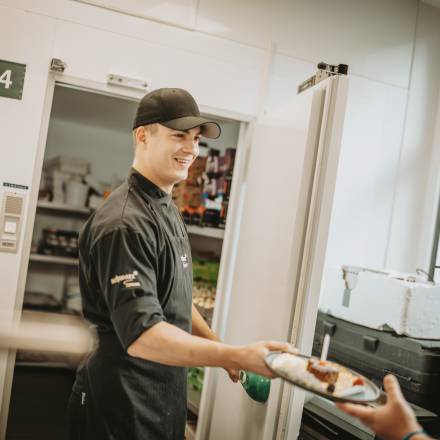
(164, 155)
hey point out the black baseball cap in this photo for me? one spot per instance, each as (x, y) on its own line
(176, 109)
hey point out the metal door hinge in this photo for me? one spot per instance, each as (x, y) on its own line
(125, 81)
(324, 71)
(57, 65)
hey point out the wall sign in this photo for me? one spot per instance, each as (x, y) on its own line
(15, 185)
(11, 79)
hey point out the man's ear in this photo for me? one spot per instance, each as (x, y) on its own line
(140, 135)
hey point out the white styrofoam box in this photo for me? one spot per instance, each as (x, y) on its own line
(381, 301)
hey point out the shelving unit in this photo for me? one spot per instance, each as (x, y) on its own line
(206, 231)
(194, 400)
(58, 207)
(62, 208)
(53, 259)
(190, 433)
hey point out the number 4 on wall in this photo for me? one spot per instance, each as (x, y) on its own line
(11, 79)
(5, 78)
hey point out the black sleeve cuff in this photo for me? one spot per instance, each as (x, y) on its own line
(132, 318)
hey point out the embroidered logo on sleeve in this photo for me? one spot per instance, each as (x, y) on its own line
(184, 260)
(128, 280)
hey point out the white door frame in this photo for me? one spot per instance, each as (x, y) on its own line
(315, 246)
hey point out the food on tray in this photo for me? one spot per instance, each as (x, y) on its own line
(323, 371)
(317, 375)
(295, 368)
(359, 381)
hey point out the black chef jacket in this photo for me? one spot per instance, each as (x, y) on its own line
(135, 271)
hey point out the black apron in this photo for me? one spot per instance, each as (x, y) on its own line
(118, 397)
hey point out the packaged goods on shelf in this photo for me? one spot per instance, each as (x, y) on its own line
(185, 195)
(204, 296)
(67, 164)
(202, 198)
(196, 171)
(59, 242)
(195, 378)
(223, 214)
(63, 173)
(205, 272)
(209, 186)
(227, 161)
(213, 208)
(211, 218)
(73, 296)
(212, 162)
(41, 301)
(204, 300)
(193, 216)
(76, 193)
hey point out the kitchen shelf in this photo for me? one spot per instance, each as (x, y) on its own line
(206, 231)
(194, 230)
(42, 204)
(193, 400)
(54, 259)
(48, 364)
(190, 433)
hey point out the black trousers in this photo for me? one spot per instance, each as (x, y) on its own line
(76, 417)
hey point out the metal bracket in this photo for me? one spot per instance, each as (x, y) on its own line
(57, 65)
(324, 71)
(124, 81)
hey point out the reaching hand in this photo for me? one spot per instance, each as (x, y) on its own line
(252, 356)
(233, 373)
(392, 421)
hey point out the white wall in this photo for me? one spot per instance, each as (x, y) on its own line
(20, 127)
(373, 37)
(416, 196)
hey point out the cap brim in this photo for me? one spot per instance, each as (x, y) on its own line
(210, 129)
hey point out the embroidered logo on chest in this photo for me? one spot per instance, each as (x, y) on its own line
(184, 260)
(128, 280)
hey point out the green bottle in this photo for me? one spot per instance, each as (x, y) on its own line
(257, 387)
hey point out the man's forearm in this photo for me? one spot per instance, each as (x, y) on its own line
(200, 327)
(167, 344)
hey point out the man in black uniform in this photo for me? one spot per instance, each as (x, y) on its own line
(136, 288)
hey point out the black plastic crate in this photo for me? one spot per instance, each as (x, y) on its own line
(375, 353)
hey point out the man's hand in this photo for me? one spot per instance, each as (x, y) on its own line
(251, 357)
(392, 421)
(233, 373)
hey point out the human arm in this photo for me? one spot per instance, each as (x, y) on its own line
(392, 421)
(202, 329)
(125, 263)
(167, 344)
